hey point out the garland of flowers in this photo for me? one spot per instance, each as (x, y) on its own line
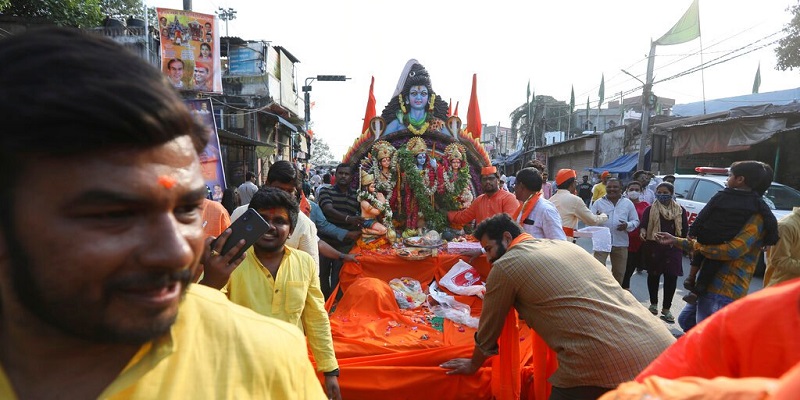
(382, 184)
(434, 220)
(455, 189)
(374, 202)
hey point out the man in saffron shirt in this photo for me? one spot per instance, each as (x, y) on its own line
(492, 201)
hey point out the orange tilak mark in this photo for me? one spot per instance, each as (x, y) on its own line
(166, 181)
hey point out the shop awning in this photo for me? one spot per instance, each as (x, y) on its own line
(283, 121)
(623, 164)
(241, 139)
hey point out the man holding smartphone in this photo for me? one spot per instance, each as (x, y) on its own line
(101, 232)
(282, 282)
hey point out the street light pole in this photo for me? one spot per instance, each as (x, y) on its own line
(307, 99)
(226, 15)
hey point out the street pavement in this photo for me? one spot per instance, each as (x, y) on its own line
(639, 288)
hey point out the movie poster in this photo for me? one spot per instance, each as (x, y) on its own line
(190, 50)
(211, 157)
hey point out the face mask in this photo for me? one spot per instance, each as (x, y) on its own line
(633, 195)
(664, 198)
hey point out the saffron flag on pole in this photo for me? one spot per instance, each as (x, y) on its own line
(687, 28)
(602, 92)
(757, 81)
(370, 111)
(473, 111)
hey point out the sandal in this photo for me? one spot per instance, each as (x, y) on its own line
(667, 316)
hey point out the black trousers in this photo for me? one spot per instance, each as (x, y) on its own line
(578, 393)
(329, 269)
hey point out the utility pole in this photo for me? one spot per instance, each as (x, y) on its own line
(646, 93)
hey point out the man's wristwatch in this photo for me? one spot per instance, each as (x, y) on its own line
(341, 256)
(332, 373)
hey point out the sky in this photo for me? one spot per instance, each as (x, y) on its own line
(553, 44)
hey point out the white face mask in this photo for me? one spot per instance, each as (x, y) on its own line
(633, 195)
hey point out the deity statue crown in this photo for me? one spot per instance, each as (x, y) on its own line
(382, 149)
(454, 151)
(416, 145)
(366, 178)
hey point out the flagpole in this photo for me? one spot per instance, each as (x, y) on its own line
(702, 74)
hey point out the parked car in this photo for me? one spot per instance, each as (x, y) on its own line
(694, 191)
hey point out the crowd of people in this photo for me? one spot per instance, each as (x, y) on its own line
(134, 296)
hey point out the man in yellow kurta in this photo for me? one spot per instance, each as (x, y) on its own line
(493, 201)
(108, 310)
(282, 282)
(599, 190)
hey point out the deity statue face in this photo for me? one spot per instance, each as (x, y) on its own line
(418, 97)
(421, 157)
(385, 162)
(371, 187)
(456, 163)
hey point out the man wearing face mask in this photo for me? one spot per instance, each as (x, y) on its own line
(622, 218)
(644, 178)
(634, 263)
(583, 323)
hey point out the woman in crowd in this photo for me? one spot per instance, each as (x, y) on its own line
(635, 250)
(665, 215)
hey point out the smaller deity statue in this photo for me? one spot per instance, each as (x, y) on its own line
(374, 207)
(454, 180)
(384, 167)
(419, 183)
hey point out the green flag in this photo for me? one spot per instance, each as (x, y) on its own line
(757, 81)
(528, 97)
(602, 92)
(572, 100)
(587, 113)
(687, 28)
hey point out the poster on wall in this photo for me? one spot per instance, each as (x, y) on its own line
(211, 157)
(190, 50)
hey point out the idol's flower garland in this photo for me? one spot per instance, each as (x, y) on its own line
(454, 188)
(434, 220)
(374, 202)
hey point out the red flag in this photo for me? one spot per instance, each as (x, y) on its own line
(370, 112)
(450, 107)
(473, 111)
(456, 112)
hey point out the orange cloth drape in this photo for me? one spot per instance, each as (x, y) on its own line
(382, 354)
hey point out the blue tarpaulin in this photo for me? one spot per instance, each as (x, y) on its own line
(624, 164)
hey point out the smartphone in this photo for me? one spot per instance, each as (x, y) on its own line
(250, 226)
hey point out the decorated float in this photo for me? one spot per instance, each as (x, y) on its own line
(413, 300)
(422, 160)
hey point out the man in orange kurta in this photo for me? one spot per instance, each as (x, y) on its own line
(215, 218)
(493, 201)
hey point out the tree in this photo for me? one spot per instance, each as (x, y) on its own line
(321, 153)
(547, 114)
(77, 13)
(788, 50)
